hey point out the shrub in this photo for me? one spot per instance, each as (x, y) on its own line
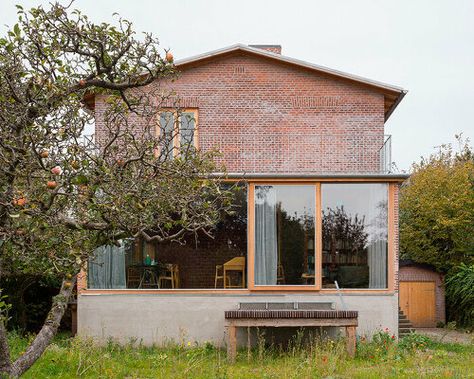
(380, 346)
(460, 295)
(414, 341)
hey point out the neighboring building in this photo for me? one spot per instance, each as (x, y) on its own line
(318, 204)
(422, 296)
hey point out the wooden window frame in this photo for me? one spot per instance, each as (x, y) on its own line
(317, 287)
(282, 289)
(177, 114)
(251, 242)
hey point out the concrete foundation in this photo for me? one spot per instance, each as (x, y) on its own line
(181, 318)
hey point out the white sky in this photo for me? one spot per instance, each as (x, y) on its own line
(425, 46)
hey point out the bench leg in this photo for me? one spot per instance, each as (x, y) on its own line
(351, 340)
(231, 343)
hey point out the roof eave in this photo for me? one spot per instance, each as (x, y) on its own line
(314, 176)
(395, 104)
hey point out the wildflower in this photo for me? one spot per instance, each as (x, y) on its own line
(325, 359)
(189, 343)
(393, 336)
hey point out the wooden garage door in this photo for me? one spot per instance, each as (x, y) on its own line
(417, 301)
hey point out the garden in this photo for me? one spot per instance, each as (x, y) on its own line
(414, 356)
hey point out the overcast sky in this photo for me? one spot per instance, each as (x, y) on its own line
(426, 47)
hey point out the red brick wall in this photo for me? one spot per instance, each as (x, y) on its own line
(420, 274)
(396, 235)
(270, 117)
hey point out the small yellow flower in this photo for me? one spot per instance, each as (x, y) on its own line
(189, 343)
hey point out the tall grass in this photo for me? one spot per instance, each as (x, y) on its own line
(460, 295)
(381, 357)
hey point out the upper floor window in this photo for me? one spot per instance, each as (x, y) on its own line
(177, 132)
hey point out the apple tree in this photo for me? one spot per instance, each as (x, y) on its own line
(61, 194)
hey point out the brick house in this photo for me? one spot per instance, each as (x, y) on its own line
(318, 206)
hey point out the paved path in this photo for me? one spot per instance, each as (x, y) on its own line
(446, 335)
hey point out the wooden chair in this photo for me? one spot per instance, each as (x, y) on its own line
(133, 277)
(149, 278)
(280, 274)
(170, 274)
(220, 276)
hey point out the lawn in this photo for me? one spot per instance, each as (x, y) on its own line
(414, 357)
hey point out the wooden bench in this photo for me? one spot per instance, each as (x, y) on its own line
(288, 317)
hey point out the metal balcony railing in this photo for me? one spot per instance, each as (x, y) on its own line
(386, 164)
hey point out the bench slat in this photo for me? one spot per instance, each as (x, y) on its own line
(289, 314)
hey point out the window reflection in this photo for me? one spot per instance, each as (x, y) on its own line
(354, 233)
(198, 261)
(284, 234)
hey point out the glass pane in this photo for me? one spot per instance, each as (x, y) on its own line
(167, 123)
(284, 235)
(199, 261)
(355, 224)
(187, 128)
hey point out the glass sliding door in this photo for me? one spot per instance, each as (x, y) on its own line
(355, 235)
(284, 235)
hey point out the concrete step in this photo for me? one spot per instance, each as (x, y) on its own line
(405, 326)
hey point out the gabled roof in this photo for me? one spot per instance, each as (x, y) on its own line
(392, 94)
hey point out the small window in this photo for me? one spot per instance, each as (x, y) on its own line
(178, 132)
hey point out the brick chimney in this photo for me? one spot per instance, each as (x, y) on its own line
(271, 48)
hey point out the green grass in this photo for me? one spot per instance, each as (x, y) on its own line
(415, 357)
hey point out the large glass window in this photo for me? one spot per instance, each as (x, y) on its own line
(354, 234)
(198, 261)
(284, 234)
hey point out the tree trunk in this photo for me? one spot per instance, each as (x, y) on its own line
(47, 332)
(5, 362)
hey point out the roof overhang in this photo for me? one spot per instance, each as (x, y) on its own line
(392, 94)
(314, 176)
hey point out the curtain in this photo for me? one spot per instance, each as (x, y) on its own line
(266, 252)
(107, 267)
(377, 247)
(377, 260)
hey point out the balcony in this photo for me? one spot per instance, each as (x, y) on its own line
(386, 164)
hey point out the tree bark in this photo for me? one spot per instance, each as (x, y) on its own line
(47, 332)
(5, 362)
